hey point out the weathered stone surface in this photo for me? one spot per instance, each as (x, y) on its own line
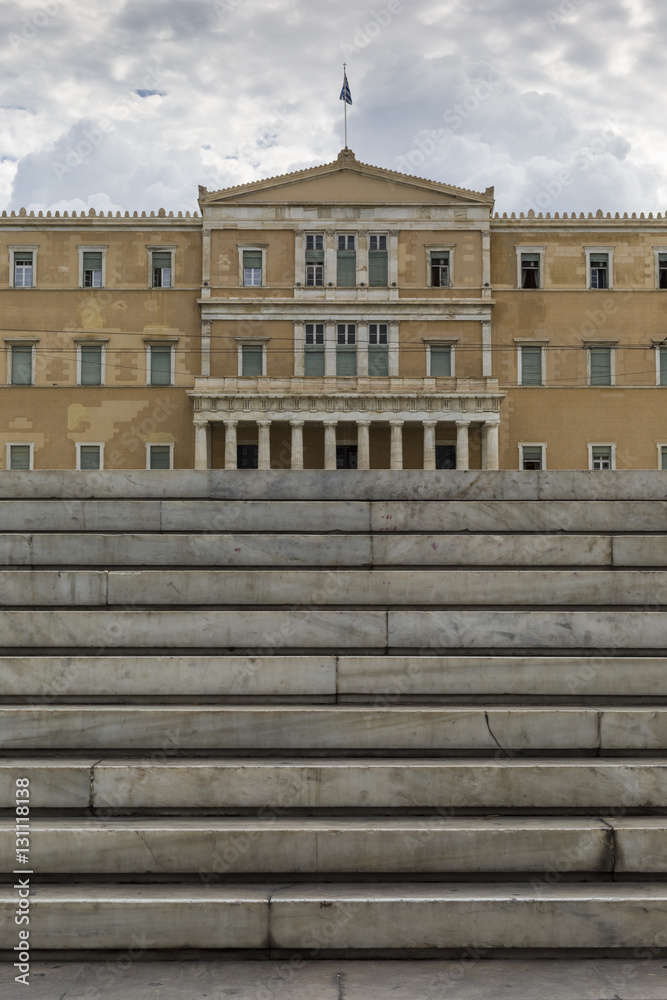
(48, 677)
(586, 517)
(639, 551)
(640, 843)
(457, 916)
(140, 916)
(79, 515)
(396, 677)
(305, 845)
(264, 515)
(614, 485)
(634, 729)
(45, 484)
(278, 727)
(285, 629)
(550, 630)
(43, 587)
(443, 785)
(491, 550)
(384, 587)
(54, 783)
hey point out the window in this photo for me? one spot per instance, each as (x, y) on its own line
(662, 270)
(21, 364)
(662, 365)
(378, 266)
(346, 260)
(600, 366)
(23, 269)
(530, 270)
(445, 456)
(601, 457)
(161, 268)
(314, 259)
(663, 457)
(378, 349)
(247, 456)
(599, 267)
(92, 267)
(532, 457)
(530, 365)
(159, 456)
(440, 277)
(439, 361)
(90, 363)
(252, 267)
(346, 351)
(89, 456)
(346, 456)
(160, 364)
(252, 359)
(314, 357)
(20, 457)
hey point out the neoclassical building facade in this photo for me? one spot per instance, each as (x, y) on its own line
(343, 316)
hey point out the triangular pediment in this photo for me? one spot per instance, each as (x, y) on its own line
(345, 181)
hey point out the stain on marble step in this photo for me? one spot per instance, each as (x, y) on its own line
(341, 917)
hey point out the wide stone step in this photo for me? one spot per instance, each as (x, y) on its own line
(445, 787)
(314, 588)
(350, 727)
(333, 917)
(393, 678)
(299, 846)
(108, 550)
(308, 631)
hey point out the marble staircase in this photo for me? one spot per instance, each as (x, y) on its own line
(325, 714)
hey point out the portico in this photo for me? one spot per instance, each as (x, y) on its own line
(442, 408)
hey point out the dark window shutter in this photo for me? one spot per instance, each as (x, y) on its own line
(89, 456)
(21, 364)
(531, 366)
(314, 361)
(346, 361)
(19, 457)
(441, 361)
(160, 365)
(252, 258)
(663, 366)
(378, 361)
(347, 268)
(159, 456)
(314, 256)
(377, 267)
(600, 365)
(91, 365)
(251, 359)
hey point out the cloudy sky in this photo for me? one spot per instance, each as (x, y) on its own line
(131, 105)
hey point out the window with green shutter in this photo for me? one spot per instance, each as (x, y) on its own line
(378, 361)
(346, 361)
(600, 362)
(92, 269)
(663, 457)
(663, 366)
(91, 364)
(531, 457)
(159, 456)
(601, 457)
(160, 360)
(251, 359)
(19, 457)
(252, 267)
(22, 364)
(346, 260)
(161, 263)
(378, 266)
(531, 365)
(90, 456)
(314, 361)
(441, 361)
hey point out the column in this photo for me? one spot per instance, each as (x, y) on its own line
(330, 444)
(203, 445)
(462, 448)
(330, 258)
(206, 348)
(393, 348)
(329, 349)
(429, 443)
(264, 442)
(297, 444)
(362, 348)
(396, 444)
(487, 352)
(363, 444)
(230, 444)
(490, 437)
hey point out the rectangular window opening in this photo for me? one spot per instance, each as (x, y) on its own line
(21, 361)
(600, 362)
(531, 457)
(662, 270)
(441, 361)
(663, 366)
(252, 357)
(159, 456)
(440, 269)
(530, 270)
(160, 361)
(90, 456)
(91, 365)
(252, 267)
(378, 264)
(19, 457)
(601, 457)
(531, 365)
(92, 270)
(23, 269)
(161, 263)
(599, 270)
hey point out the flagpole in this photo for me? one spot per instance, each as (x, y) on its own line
(345, 102)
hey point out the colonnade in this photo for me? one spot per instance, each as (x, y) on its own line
(490, 455)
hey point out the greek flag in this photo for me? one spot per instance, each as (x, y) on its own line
(345, 94)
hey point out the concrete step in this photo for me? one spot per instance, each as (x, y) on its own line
(331, 587)
(123, 549)
(391, 678)
(313, 630)
(344, 727)
(446, 787)
(299, 846)
(332, 917)
(380, 484)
